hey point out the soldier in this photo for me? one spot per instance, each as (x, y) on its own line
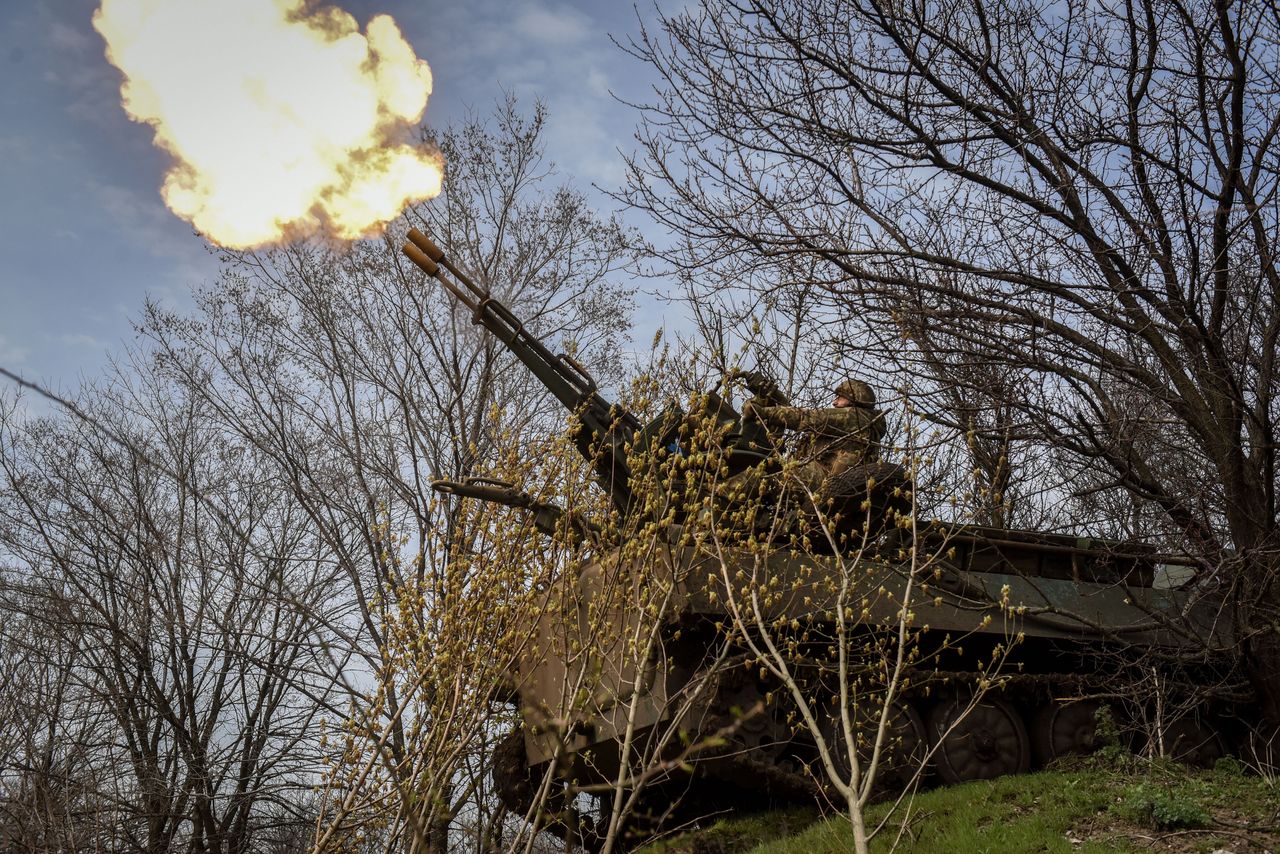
(833, 440)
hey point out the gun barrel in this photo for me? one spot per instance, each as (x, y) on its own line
(436, 255)
(564, 377)
(420, 258)
(485, 490)
(604, 429)
(547, 518)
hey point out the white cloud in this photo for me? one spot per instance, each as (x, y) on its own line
(140, 218)
(558, 25)
(598, 83)
(74, 62)
(11, 353)
(15, 147)
(67, 38)
(82, 339)
(144, 219)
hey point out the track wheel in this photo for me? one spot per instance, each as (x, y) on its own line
(759, 728)
(902, 751)
(990, 741)
(512, 779)
(1193, 741)
(1065, 729)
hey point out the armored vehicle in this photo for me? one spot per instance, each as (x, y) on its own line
(675, 658)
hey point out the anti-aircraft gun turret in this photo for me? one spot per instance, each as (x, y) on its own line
(1082, 607)
(605, 431)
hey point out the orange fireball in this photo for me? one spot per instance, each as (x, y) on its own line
(282, 120)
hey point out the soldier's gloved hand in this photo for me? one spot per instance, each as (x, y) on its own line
(758, 383)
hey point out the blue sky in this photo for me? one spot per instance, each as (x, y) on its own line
(84, 237)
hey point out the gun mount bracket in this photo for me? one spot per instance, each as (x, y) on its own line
(582, 372)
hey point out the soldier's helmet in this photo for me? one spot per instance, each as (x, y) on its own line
(859, 392)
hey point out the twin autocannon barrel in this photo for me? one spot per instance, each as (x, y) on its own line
(604, 429)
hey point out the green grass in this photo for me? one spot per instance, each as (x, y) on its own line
(1092, 808)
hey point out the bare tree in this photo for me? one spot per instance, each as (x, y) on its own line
(1079, 197)
(165, 605)
(55, 790)
(360, 382)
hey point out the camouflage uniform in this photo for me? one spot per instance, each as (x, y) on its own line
(833, 439)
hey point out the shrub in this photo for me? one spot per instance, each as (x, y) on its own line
(1161, 809)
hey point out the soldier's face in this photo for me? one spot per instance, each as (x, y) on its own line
(842, 401)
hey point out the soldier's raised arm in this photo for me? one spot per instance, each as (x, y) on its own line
(787, 417)
(853, 413)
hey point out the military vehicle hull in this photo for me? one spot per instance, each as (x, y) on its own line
(1073, 621)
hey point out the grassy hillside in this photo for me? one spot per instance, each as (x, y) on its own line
(1087, 809)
